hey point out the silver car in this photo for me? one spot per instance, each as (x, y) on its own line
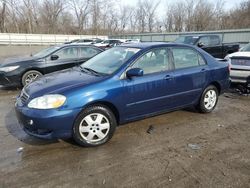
(240, 66)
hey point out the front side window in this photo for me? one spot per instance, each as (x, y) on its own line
(67, 53)
(88, 52)
(186, 39)
(205, 41)
(214, 40)
(185, 57)
(156, 60)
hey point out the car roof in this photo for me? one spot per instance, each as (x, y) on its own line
(77, 45)
(144, 45)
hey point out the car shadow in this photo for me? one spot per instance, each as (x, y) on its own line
(15, 130)
(10, 88)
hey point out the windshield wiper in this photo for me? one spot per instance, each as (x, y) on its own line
(90, 70)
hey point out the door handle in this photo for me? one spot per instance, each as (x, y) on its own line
(203, 70)
(168, 77)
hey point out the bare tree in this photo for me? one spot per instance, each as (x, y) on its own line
(110, 17)
(150, 9)
(81, 9)
(50, 12)
(2, 15)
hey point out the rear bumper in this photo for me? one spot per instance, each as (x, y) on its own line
(46, 124)
(240, 76)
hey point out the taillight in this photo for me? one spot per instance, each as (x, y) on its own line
(229, 66)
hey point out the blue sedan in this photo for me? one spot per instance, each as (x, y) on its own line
(123, 84)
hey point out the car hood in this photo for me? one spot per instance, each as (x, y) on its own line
(240, 54)
(59, 82)
(16, 60)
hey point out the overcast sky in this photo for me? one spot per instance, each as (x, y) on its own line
(228, 3)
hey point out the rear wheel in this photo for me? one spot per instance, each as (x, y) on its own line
(30, 76)
(208, 100)
(94, 126)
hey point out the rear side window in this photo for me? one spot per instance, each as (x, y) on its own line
(88, 52)
(186, 57)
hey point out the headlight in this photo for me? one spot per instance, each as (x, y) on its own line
(47, 102)
(9, 69)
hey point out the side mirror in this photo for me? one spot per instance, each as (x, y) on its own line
(200, 44)
(54, 57)
(135, 72)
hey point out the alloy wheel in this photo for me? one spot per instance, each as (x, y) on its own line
(94, 127)
(210, 99)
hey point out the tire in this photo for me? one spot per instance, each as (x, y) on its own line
(30, 76)
(94, 126)
(208, 100)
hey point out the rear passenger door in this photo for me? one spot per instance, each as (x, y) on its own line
(190, 75)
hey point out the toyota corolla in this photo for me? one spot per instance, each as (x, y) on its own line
(123, 84)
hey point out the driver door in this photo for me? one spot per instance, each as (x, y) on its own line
(67, 58)
(148, 93)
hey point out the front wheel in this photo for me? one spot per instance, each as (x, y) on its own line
(208, 100)
(94, 126)
(30, 76)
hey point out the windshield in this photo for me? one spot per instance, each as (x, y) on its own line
(186, 40)
(46, 51)
(246, 48)
(111, 60)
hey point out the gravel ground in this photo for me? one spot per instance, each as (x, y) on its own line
(181, 149)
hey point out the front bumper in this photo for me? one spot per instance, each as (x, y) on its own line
(240, 76)
(46, 124)
(7, 79)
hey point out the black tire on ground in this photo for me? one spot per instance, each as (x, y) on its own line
(27, 76)
(94, 126)
(203, 105)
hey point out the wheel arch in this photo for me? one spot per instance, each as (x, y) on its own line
(109, 105)
(217, 85)
(33, 69)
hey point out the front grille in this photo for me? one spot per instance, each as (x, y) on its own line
(24, 97)
(240, 61)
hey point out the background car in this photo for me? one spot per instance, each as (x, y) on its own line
(210, 43)
(127, 41)
(106, 44)
(22, 71)
(240, 69)
(72, 41)
(120, 85)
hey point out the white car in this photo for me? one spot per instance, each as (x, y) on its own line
(132, 41)
(89, 41)
(109, 43)
(240, 66)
